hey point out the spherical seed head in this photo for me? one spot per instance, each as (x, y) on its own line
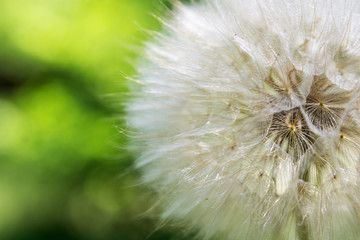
(249, 119)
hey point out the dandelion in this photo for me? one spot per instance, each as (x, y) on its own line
(249, 117)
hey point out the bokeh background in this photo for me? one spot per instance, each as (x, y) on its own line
(64, 170)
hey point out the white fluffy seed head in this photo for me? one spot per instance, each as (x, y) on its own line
(249, 117)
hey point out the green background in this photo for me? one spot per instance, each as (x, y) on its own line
(64, 170)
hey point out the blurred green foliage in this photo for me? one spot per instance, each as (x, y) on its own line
(64, 173)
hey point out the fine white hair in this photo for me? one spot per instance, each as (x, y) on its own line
(248, 119)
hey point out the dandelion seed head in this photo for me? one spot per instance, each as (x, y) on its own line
(249, 119)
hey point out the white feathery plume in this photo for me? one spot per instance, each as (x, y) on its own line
(249, 119)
